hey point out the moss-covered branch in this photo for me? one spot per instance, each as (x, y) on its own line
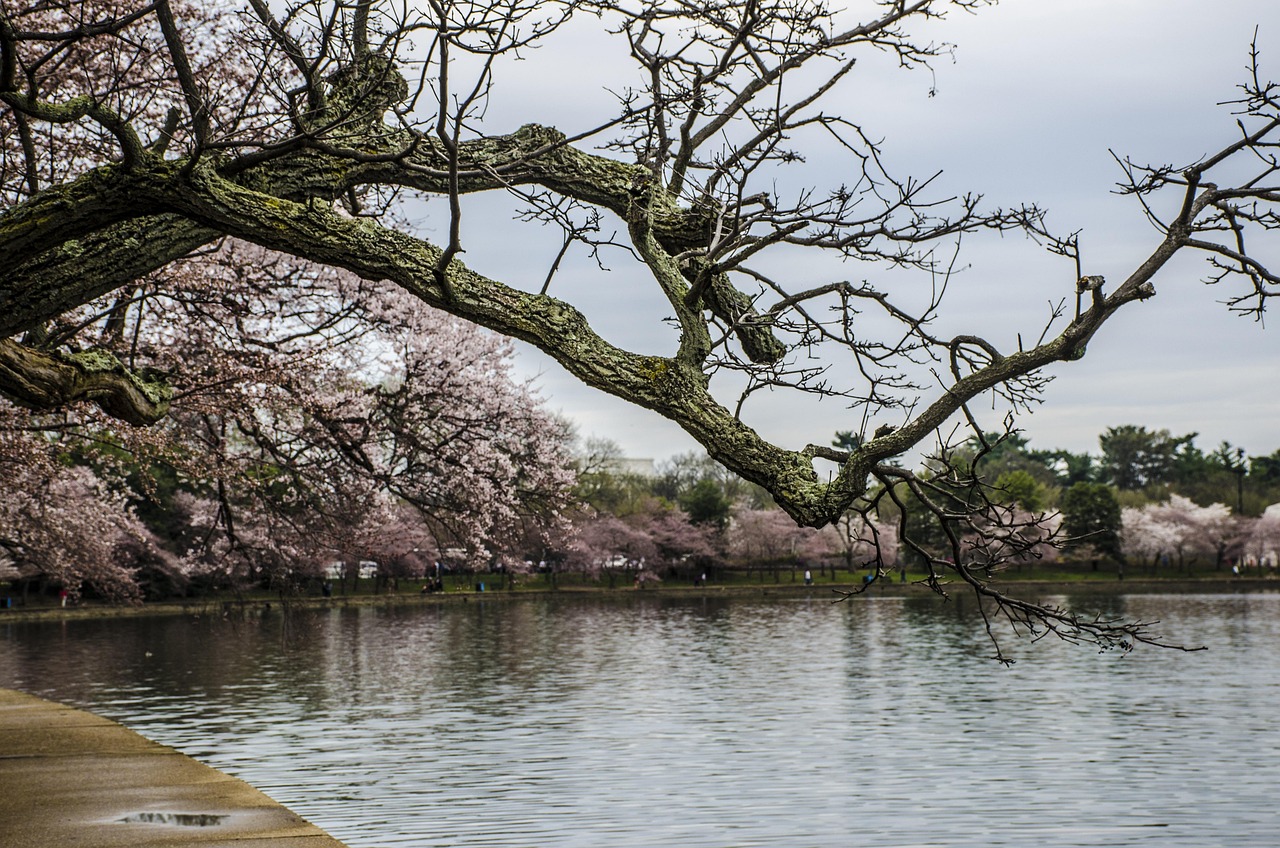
(50, 381)
(78, 240)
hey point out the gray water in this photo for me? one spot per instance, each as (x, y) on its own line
(692, 722)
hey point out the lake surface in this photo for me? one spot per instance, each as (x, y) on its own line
(703, 722)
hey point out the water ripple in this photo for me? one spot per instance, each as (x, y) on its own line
(698, 723)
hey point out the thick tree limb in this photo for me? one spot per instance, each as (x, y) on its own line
(45, 225)
(75, 241)
(50, 381)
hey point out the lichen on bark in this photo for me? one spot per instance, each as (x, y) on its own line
(43, 380)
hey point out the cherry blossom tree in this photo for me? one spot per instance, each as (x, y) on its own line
(1177, 529)
(866, 541)
(683, 546)
(306, 433)
(67, 527)
(1144, 537)
(134, 136)
(768, 538)
(758, 534)
(1014, 536)
(604, 545)
(1261, 539)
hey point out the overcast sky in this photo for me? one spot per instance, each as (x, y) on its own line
(1039, 92)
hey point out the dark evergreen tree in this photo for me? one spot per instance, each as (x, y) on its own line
(1091, 518)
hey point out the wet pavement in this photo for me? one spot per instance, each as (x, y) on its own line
(69, 778)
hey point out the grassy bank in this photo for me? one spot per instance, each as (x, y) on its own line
(1030, 584)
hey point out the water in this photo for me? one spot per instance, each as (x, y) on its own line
(695, 722)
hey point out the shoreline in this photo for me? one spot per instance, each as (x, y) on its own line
(72, 777)
(1026, 589)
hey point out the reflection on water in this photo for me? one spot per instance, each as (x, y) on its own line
(691, 722)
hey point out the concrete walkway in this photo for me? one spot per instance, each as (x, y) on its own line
(69, 778)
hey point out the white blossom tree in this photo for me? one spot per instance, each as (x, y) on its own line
(1178, 529)
(304, 434)
(1261, 539)
(65, 526)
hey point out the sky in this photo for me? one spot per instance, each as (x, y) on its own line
(1038, 94)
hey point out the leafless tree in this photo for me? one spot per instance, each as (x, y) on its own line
(135, 134)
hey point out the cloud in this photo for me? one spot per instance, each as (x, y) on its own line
(1038, 95)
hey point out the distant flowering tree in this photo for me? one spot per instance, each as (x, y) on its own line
(656, 539)
(1014, 536)
(682, 545)
(1178, 529)
(763, 535)
(864, 541)
(1261, 539)
(604, 545)
(1144, 537)
(766, 538)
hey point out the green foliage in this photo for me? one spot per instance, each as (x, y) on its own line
(1021, 488)
(1265, 469)
(1136, 458)
(706, 503)
(684, 471)
(604, 483)
(1009, 453)
(1152, 465)
(1068, 468)
(1091, 518)
(847, 440)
